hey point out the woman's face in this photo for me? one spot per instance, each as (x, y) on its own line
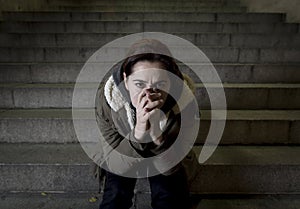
(147, 75)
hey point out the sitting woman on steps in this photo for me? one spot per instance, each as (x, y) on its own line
(142, 113)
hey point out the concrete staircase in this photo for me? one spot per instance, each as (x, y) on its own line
(257, 164)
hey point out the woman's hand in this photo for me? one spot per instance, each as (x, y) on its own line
(155, 131)
(148, 115)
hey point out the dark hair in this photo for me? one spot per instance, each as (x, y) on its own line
(167, 62)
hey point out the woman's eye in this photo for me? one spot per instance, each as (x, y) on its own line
(140, 85)
(160, 85)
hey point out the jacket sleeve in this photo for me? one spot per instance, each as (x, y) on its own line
(117, 149)
(183, 134)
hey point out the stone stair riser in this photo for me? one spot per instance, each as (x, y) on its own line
(148, 16)
(228, 73)
(237, 97)
(204, 39)
(215, 54)
(237, 131)
(139, 26)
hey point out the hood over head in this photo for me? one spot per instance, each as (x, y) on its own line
(117, 95)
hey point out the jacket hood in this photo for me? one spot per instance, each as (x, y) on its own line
(143, 46)
(116, 99)
(117, 95)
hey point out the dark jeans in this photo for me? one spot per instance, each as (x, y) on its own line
(167, 192)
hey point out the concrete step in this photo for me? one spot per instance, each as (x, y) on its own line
(143, 201)
(233, 201)
(132, 2)
(253, 96)
(229, 73)
(142, 2)
(158, 8)
(242, 202)
(47, 168)
(238, 96)
(242, 126)
(138, 4)
(250, 173)
(145, 16)
(173, 26)
(199, 39)
(215, 54)
(42, 200)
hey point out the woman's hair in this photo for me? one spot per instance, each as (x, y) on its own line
(153, 51)
(168, 63)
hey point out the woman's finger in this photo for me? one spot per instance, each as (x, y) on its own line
(141, 95)
(153, 117)
(154, 96)
(151, 105)
(141, 111)
(142, 103)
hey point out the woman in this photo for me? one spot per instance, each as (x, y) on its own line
(138, 117)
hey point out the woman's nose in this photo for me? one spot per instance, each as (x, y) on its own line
(152, 89)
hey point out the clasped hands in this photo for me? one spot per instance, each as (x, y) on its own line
(148, 115)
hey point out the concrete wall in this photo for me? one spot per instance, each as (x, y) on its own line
(291, 7)
(22, 5)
